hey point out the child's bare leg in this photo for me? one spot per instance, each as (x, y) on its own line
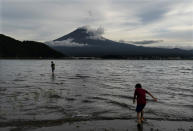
(139, 117)
(142, 113)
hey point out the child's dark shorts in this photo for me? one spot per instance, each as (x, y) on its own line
(140, 107)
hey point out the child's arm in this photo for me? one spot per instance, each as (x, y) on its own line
(155, 99)
(134, 97)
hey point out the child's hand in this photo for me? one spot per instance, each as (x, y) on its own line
(155, 99)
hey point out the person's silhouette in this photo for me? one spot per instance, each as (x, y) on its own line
(52, 66)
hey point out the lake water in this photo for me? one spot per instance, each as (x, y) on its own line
(93, 89)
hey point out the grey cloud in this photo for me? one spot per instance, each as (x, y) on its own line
(178, 35)
(144, 42)
(20, 11)
(147, 11)
(169, 44)
(67, 43)
(24, 18)
(98, 32)
(95, 32)
(152, 15)
(90, 13)
(154, 11)
(36, 18)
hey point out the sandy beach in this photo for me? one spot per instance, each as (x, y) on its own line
(103, 125)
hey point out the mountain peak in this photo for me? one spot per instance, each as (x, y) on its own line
(84, 32)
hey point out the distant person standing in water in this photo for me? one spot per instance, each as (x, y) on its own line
(52, 67)
(140, 93)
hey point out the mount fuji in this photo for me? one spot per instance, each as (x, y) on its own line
(84, 42)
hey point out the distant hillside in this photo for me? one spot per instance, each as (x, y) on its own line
(85, 43)
(11, 48)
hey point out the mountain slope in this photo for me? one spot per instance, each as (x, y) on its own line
(85, 43)
(11, 48)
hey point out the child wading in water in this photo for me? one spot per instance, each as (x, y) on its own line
(140, 93)
(52, 67)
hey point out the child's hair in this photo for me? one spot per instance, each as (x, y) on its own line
(138, 85)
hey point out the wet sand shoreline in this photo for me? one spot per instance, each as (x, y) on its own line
(105, 125)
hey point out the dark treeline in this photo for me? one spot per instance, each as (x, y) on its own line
(11, 48)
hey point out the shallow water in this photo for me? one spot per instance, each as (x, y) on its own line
(93, 89)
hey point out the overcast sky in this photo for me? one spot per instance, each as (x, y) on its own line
(128, 20)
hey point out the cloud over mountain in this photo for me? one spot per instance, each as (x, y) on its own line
(94, 31)
(67, 43)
